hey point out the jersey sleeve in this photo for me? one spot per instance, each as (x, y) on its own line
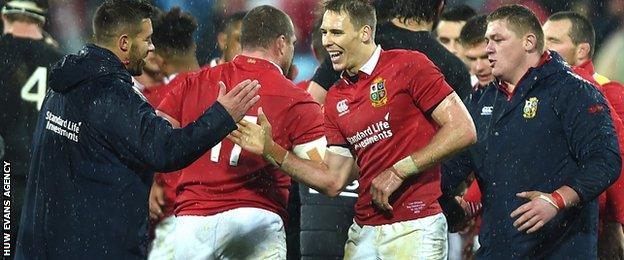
(172, 102)
(332, 132)
(615, 200)
(429, 88)
(305, 121)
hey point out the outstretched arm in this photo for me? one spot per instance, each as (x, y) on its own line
(329, 175)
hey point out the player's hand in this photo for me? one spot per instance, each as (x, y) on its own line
(240, 99)
(252, 137)
(156, 201)
(382, 187)
(534, 214)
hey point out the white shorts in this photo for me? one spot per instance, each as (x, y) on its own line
(242, 233)
(162, 246)
(424, 238)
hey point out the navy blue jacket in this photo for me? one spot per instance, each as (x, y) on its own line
(555, 130)
(95, 147)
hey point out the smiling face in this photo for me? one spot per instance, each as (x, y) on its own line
(505, 50)
(342, 41)
(141, 46)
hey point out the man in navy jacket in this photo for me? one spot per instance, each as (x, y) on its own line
(97, 143)
(546, 148)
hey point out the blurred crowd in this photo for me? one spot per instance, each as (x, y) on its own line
(69, 24)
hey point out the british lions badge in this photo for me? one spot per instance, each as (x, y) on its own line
(530, 108)
(378, 93)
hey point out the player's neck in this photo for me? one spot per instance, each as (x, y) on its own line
(261, 54)
(412, 25)
(363, 56)
(181, 66)
(23, 30)
(531, 61)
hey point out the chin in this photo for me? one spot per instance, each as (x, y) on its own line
(338, 67)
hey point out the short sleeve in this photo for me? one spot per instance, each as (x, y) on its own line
(305, 121)
(332, 132)
(428, 87)
(172, 102)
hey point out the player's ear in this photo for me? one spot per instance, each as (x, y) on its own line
(366, 33)
(124, 43)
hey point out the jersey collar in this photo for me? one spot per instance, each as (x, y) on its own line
(369, 66)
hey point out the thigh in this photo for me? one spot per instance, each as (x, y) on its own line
(361, 243)
(251, 233)
(424, 238)
(194, 237)
(163, 243)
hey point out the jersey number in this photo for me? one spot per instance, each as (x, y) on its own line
(236, 151)
(38, 79)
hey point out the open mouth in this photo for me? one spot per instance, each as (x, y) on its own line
(335, 55)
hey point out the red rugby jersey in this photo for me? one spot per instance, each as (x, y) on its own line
(383, 117)
(168, 181)
(227, 177)
(612, 200)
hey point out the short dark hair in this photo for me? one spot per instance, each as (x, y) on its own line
(173, 32)
(264, 24)
(581, 29)
(115, 15)
(459, 13)
(473, 31)
(419, 10)
(521, 20)
(227, 25)
(360, 12)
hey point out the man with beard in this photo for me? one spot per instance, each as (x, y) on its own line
(391, 111)
(228, 39)
(231, 203)
(546, 148)
(97, 143)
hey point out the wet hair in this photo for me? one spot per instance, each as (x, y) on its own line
(419, 10)
(460, 13)
(521, 20)
(581, 29)
(115, 17)
(473, 31)
(262, 25)
(360, 12)
(173, 32)
(228, 25)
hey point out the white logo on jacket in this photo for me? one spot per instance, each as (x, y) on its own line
(487, 111)
(342, 107)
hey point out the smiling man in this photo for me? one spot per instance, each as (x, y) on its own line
(97, 143)
(395, 114)
(546, 148)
